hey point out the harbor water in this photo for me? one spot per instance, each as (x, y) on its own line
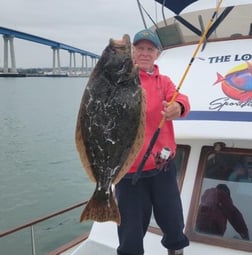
(40, 170)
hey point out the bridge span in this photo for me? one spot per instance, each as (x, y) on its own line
(10, 34)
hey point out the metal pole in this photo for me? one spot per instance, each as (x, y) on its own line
(141, 12)
(33, 241)
(164, 19)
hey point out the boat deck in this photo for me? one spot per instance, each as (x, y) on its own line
(103, 240)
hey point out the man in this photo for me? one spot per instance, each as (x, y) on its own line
(216, 209)
(156, 190)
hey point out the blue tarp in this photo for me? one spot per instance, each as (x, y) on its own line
(176, 5)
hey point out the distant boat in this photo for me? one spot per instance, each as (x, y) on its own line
(216, 133)
(12, 75)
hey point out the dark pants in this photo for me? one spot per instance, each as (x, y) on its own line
(158, 193)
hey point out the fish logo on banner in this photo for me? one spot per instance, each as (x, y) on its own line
(237, 83)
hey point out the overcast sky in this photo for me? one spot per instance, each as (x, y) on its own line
(85, 24)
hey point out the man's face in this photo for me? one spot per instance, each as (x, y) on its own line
(145, 54)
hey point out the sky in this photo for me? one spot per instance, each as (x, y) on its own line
(84, 24)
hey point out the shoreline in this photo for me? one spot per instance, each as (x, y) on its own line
(18, 75)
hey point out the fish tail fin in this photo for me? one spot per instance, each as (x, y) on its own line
(219, 78)
(101, 210)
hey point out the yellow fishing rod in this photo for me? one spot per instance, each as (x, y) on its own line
(156, 133)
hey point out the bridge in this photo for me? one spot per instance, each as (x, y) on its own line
(10, 34)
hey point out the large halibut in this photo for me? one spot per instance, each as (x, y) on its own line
(110, 126)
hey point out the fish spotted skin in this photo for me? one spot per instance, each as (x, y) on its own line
(110, 127)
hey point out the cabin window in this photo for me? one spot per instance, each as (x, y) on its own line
(220, 212)
(181, 159)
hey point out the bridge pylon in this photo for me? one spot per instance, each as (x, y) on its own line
(9, 42)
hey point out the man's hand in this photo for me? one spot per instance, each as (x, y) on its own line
(171, 111)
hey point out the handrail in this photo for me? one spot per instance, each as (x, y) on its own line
(34, 222)
(38, 220)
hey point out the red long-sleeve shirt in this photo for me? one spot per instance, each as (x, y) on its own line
(158, 88)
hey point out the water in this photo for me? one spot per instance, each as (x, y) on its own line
(40, 170)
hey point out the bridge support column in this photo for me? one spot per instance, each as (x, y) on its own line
(70, 63)
(72, 70)
(74, 59)
(93, 62)
(9, 40)
(84, 67)
(56, 68)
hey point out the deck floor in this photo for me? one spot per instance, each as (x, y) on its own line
(90, 247)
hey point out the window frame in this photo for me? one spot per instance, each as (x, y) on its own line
(193, 235)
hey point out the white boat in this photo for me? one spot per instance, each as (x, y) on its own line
(216, 133)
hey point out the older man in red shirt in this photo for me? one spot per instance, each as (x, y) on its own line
(156, 190)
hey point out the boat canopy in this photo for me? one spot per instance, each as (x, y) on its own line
(176, 5)
(185, 20)
(184, 6)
